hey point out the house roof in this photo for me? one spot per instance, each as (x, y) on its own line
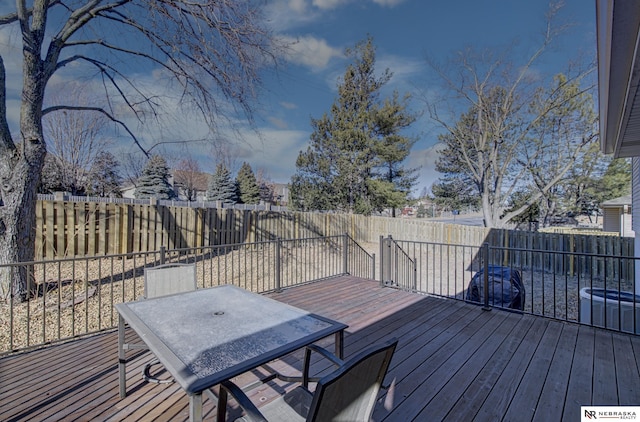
(617, 202)
(618, 28)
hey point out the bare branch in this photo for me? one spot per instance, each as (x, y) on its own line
(99, 110)
(105, 70)
(14, 17)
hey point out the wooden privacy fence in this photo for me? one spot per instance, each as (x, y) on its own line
(66, 229)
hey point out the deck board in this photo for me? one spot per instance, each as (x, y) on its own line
(454, 361)
(625, 364)
(580, 387)
(526, 397)
(604, 379)
(554, 391)
(471, 400)
(446, 396)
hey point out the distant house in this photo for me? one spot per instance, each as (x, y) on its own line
(281, 193)
(189, 182)
(616, 216)
(128, 191)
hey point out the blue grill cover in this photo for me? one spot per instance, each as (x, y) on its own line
(505, 288)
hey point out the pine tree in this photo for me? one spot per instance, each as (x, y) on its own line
(154, 182)
(221, 186)
(103, 178)
(391, 150)
(616, 180)
(248, 189)
(354, 162)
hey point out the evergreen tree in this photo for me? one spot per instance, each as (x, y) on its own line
(154, 182)
(221, 186)
(579, 191)
(354, 161)
(454, 193)
(248, 189)
(616, 181)
(391, 151)
(103, 178)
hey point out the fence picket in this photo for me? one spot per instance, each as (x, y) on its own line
(66, 228)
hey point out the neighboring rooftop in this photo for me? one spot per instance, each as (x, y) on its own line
(617, 202)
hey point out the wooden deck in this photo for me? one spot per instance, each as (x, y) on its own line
(454, 361)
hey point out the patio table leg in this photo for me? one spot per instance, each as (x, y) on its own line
(122, 363)
(195, 407)
(339, 350)
(222, 405)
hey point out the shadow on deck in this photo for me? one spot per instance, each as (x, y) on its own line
(454, 361)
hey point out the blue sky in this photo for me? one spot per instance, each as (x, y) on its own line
(404, 32)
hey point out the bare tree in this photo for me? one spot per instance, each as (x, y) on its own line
(188, 179)
(132, 164)
(267, 187)
(74, 138)
(211, 51)
(225, 153)
(515, 133)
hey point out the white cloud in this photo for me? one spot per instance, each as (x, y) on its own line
(425, 159)
(389, 3)
(310, 51)
(288, 106)
(405, 70)
(298, 6)
(401, 67)
(277, 122)
(332, 4)
(275, 151)
(328, 4)
(286, 14)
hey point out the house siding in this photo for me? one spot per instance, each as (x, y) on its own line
(635, 194)
(611, 219)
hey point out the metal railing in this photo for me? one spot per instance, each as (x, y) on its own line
(75, 296)
(593, 289)
(397, 268)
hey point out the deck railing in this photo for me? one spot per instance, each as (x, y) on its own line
(593, 289)
(397, 268)
(75, 296)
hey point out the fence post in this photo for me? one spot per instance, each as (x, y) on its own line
(163, 257)
(415, 273)
(373, 266)
(381, 260)
(485, 288)
(278, 266)
(345, 254)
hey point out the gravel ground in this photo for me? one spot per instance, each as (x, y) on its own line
(76, 297)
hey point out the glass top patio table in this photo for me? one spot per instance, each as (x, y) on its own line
(210, 335)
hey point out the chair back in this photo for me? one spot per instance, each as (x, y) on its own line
(350, 392)
(169, 279)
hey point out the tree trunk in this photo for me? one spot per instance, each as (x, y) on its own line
(17, 225)
(20, 169)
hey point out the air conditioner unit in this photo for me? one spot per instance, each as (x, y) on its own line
(617, 306)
